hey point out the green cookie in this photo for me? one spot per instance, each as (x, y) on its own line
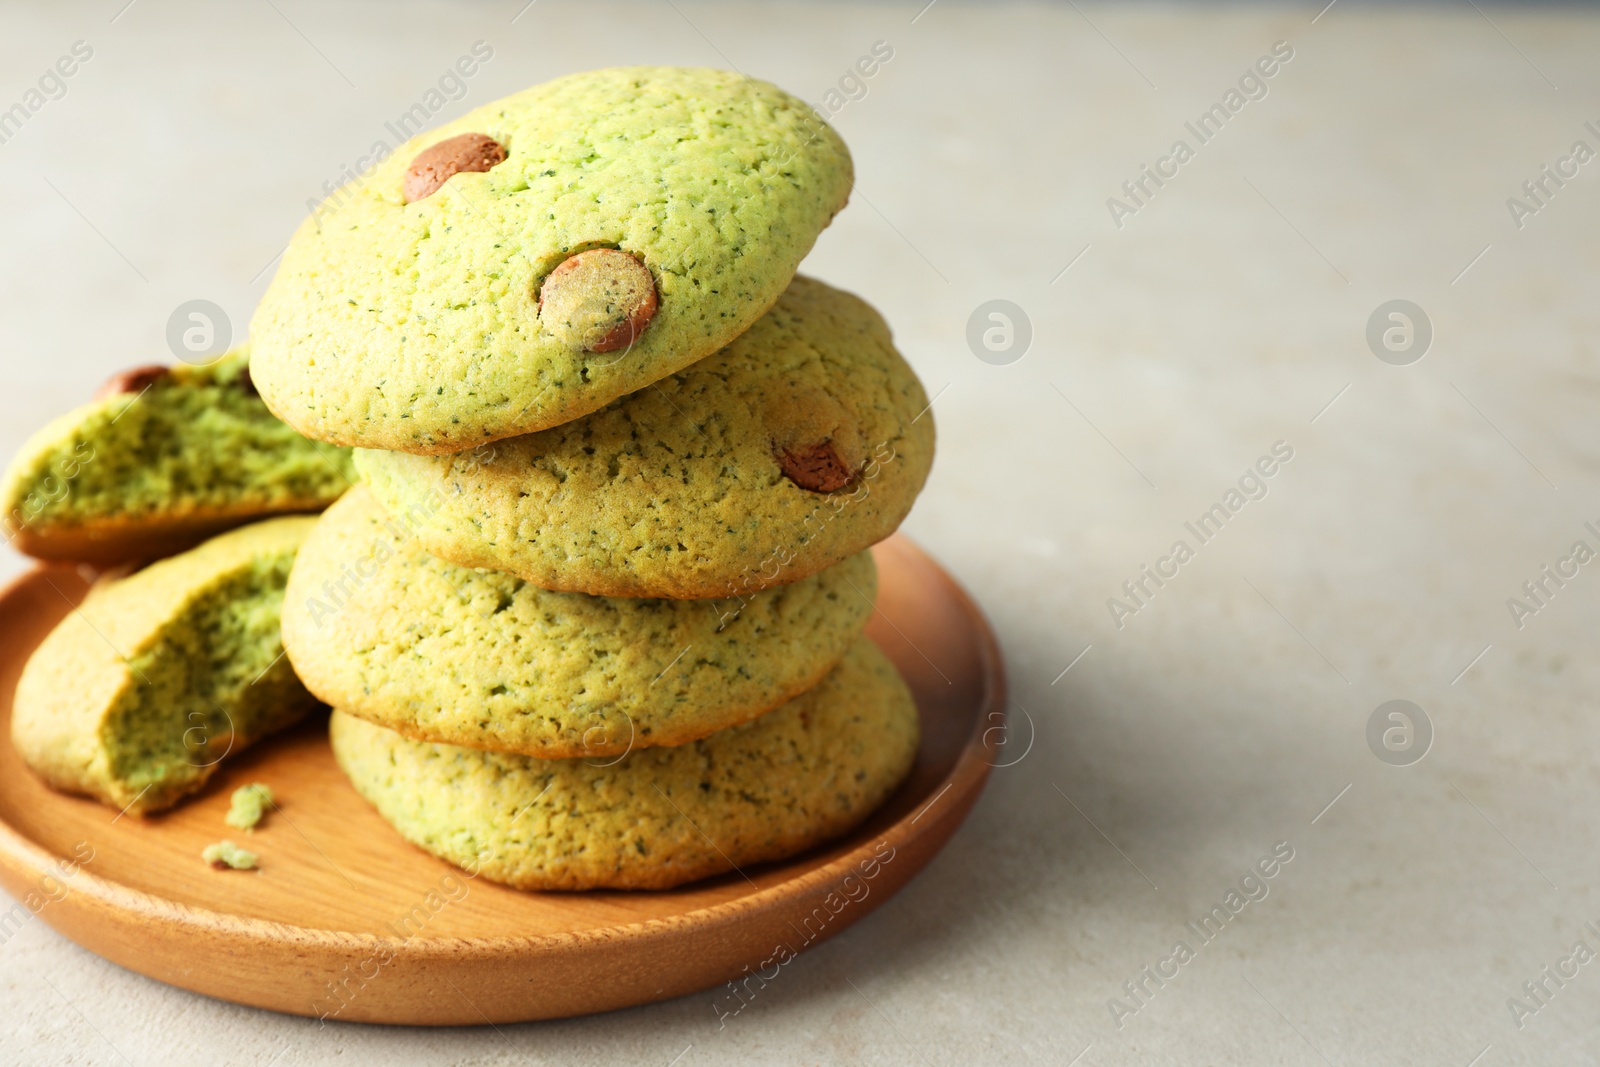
(168, 457)
(799, 445)
(138, 695)
(380, 629)
(413, 315)
(658, 817)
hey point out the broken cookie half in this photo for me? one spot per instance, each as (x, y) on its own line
(160, 459)
(142, 691)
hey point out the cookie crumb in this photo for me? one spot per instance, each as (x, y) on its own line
(249, 803)
(225, 855)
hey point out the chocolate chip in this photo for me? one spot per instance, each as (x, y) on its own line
(133, 380)
(815, 467)
(437, 164)
(600, 300)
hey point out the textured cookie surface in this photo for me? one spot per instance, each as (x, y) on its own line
(692, 487)
(150, 471)
(378, 628)
(138, 695)
(417, 325)
(658, 817)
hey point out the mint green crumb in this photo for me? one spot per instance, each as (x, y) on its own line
(248, 805)
(227, 855)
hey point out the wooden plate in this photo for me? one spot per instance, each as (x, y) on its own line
(345, 919)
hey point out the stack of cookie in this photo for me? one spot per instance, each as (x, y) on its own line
(594, 617)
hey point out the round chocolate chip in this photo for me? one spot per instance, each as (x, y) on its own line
(600, 300)
(133, 380)
(815, 467)
(437, 164)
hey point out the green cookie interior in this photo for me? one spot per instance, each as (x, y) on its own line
(194, 453)
(138, 695)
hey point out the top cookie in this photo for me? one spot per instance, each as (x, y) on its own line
(543, 255)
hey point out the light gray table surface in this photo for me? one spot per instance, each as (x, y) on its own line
(1173, 343)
